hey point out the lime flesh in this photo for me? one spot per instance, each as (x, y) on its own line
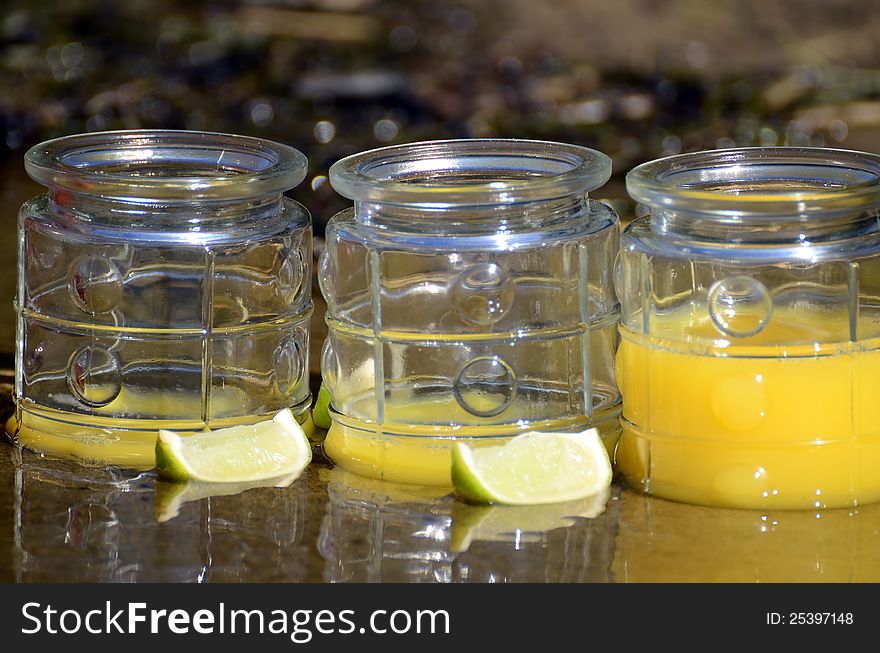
(269, 449)
(533, 468)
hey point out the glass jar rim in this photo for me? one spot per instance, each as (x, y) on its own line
(460, 172)
(121, 165)
(717, 182)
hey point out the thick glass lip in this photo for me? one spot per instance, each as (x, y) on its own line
(166, 165)
(759, 181)
(472, 172)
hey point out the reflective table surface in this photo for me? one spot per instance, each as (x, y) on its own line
(61, 521)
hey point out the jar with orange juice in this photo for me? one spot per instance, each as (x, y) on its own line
(750, 350)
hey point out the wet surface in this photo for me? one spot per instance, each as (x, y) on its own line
(60, 521)
(65, 522)
(636, 79)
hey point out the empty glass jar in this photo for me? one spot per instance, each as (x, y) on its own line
(164, 282)
(750, 352)
(469, 296)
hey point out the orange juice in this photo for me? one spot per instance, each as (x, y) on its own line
(747, 422)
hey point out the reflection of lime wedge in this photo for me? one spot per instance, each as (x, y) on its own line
(522, 523)
(321, 413)
(269, 449)
(170, 496)
(532, 468)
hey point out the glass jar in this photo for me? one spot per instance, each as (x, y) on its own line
(469, 296)
(164, 282)
(750, 325)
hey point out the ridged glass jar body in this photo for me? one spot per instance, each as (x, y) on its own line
(469, 296)
(164, 282)
(750, 327)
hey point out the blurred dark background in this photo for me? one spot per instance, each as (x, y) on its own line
(636, 79)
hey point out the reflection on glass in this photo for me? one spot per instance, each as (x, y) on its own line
(377, 531)
(171, 496)
(97, 524)
(107, 524)
(519, 523)
(260, 534)
(559, 543)
(664, 541)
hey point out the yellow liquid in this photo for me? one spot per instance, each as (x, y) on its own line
(410, 451)
(669, 542)
(751, 424)
(121, 441)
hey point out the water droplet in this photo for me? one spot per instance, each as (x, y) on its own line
(288, 365)
(94, 284)
(33, 359)
(485, 386)
(94, 375)
(483, 294)
(740, 306)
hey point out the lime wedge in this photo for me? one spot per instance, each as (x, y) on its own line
(321, 412)
(269, 449)
(532, 468)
